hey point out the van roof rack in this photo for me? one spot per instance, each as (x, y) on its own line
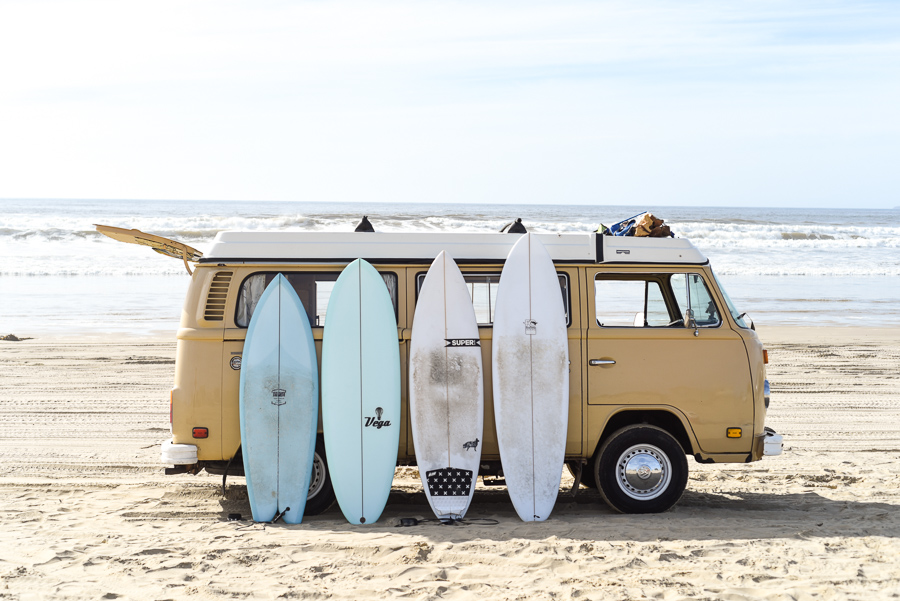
(423, 247)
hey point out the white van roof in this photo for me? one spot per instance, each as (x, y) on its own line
(383, 247)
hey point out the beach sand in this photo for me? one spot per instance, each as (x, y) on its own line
(87, 513)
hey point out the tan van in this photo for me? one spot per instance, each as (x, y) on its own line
(662, 365)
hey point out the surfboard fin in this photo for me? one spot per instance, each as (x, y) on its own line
(364, 225)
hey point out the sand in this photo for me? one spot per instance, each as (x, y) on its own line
(87, 513)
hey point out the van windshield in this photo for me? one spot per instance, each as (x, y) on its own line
(735, 314)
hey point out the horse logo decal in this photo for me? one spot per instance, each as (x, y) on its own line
(472, 444)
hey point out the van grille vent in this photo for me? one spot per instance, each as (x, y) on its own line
(218, 293)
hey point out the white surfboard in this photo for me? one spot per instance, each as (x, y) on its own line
(530, 358)
(279, 404)
(361, 392)
(446, 390)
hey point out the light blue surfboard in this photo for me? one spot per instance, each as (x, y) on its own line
(361, 392)
(278, 404)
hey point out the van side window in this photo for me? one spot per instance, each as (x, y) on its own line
(653, 300)
(483, 290)
(691, 292)
(630, 303)
(314, 290)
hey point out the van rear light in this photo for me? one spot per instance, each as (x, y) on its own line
(765, 357)
(200, 432)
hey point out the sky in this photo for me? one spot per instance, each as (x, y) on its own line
(719, 103)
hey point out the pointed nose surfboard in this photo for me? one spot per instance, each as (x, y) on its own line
(361, 392)
(279, 400)
(530, 358)
(446, 390)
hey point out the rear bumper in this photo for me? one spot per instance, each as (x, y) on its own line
(178, 454)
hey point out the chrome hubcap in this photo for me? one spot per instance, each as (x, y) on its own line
(643, 472)
(317, 480)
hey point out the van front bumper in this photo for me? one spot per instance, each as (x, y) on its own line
(767, 444)
(178, 454)
(773, 443)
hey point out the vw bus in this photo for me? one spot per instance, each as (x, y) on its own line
(662, 363)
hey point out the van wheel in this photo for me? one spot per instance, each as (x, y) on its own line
(321, 493)
(587, 473)
(641, 469)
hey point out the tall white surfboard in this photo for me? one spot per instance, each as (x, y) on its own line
(446, 389)
(361, 392)
(530, 358)
(279, 404)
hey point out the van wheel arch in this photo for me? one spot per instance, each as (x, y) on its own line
(664, 420)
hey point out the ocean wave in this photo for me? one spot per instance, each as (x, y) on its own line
(62, 241)
(206, 230)
(199, 228)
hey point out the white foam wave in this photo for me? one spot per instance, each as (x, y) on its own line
(198, 228)
(733, 235)
(57, 242)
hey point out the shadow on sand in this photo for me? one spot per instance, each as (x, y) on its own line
(700, 516)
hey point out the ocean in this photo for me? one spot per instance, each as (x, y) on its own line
(58, 276)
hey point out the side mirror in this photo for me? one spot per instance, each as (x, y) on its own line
(748, 318)
(691, 322)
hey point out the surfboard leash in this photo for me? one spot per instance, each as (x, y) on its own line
(280, 515)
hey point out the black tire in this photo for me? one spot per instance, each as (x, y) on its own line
(321, 492)
(587, 473)
(658, 470)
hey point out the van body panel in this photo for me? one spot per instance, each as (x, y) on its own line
(706, 376)
(754, 349)
(231, 386)
(704, 370)
(722, 457)
(575, 433)
(599, 416)
(709, 382)
(199, 401)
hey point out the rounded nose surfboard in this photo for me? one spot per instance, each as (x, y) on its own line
(361, 392)
(446, 389)
(530, 370)
(279, 400)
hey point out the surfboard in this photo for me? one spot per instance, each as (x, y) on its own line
(361, 392)
(446, 389)
(164, 246)
(279, 400)
(530, 371)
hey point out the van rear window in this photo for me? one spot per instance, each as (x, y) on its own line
(314, 290)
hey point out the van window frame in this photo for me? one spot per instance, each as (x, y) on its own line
(664, 280)
(420, 279)
(395, 301)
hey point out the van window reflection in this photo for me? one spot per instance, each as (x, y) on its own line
(314, 290)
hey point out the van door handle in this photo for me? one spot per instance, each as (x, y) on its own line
(601, 362)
